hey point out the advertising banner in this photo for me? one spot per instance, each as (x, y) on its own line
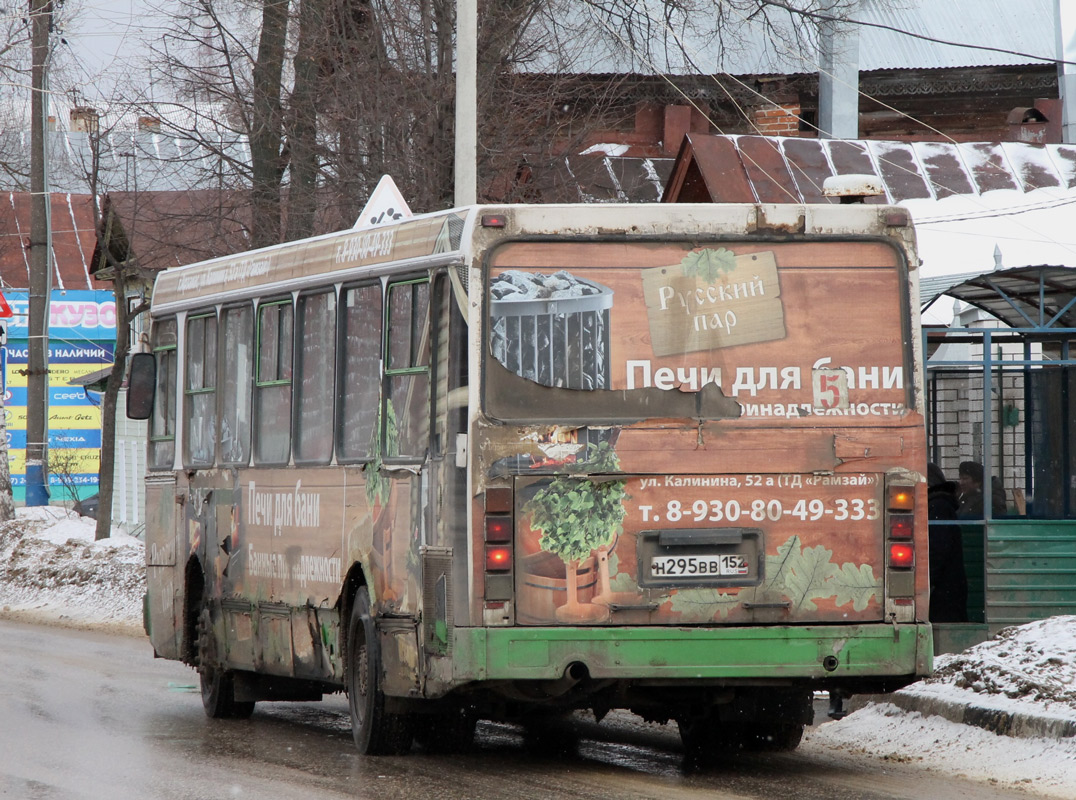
(82, 335)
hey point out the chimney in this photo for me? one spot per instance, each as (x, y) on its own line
(85, 119)
(838, 82)
(677, 126)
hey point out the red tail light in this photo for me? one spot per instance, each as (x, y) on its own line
(901, 526)
(901, 555)
(498, 529)
(498, 559)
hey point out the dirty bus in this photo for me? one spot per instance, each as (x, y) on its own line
(509, 462)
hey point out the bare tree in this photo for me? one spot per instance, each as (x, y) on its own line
(331, 94)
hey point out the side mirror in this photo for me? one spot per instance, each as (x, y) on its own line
(141, 385)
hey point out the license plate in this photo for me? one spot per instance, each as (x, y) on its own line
(697, 566)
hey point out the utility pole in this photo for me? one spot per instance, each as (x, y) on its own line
(37, 373)
(466, 170)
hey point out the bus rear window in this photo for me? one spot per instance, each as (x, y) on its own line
(604, 332)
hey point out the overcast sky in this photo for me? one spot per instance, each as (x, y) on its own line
(103, 37)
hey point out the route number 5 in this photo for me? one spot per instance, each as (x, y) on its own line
(830, 388)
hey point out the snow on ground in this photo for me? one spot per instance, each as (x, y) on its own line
(52, 571)
(1045, 767)
(1029, 669)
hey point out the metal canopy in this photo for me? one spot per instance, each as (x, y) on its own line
(1042, 297)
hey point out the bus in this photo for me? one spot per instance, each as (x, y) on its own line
(513, 462)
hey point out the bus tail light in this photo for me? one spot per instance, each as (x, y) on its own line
(901, 526)
(900, 498)
(901, 555)
(498, 528)
(498, 559)
(900, 544)
(498, 531)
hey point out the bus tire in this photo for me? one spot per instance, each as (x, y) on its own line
(774, 737)
(377, 732)
(218, 688)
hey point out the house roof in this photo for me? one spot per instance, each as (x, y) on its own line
(131, 160)
(747, 169)
(1009, 26)
(723, 39)
(163, 229)
(73, 240)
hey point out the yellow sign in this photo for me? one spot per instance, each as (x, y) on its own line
(59, 374)
(60, 417)
(75, 461)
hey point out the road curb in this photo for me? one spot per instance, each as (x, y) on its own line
(1017, 724)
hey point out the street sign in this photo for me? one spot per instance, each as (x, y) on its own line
(385, 205)
(5, 309)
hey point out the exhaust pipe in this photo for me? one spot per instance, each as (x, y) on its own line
(574, 673)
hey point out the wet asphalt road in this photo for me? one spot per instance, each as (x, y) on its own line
(86, 715)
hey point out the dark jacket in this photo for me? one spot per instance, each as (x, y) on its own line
(948, 580)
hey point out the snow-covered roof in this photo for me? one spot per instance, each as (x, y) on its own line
(708, 36)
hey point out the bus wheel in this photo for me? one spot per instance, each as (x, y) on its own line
(777, 736)
(377, 732)
(218, 694)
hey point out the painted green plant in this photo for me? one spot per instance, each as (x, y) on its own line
(577, 515)
(709, 264)
(796, 574)
(377, 483)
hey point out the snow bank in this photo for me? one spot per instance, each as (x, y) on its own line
(1030, 669)
(882, 731)
(52, 571)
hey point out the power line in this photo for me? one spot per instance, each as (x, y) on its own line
(1039, 235)
(863, 23)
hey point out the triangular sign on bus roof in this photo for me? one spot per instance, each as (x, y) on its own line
(385, 205)
(5, 308)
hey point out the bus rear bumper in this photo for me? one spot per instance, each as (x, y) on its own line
(878, 653)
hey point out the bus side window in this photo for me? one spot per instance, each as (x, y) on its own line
(272, 384)
(162, 427)
(315, 324)
(237, 359)
(406, 422)
(360, 373)
(200, 391)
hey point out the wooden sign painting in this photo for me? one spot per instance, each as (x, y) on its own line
(713, 299)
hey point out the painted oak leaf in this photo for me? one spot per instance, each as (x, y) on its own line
(620, 581)
(802, 573)
(709, 264)
(703, 605)
(856, 585)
